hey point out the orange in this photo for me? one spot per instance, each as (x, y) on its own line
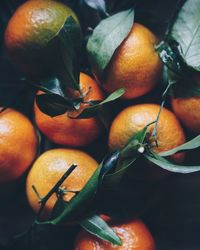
(134, 235)
(135, 64)
(72, 132)
(134, 118)
(50, 167)
(18, 144)
(188, 111)
(29, 31)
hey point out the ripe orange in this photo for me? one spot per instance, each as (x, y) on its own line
(49, 168)
(135, 64)
(188, 111)
(134, 235)
(18, 144)
(132, 119)
(30, 29)
(72, 132)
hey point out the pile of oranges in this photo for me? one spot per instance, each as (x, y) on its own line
(136, 67)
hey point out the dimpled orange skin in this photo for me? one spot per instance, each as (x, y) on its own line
(135, 65)
(72, 132)
(188, 111)
(134, 235)
(134, 118)
(50, 167)
(30, 29)
(18, 144)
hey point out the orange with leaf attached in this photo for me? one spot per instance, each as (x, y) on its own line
(135, 65)
(29, 32)
(133, 233)
(50, 167)
(68, 131)
(134, 118)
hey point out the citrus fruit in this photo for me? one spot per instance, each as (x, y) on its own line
(135, 64)
(188, 111)
(50, 167)
(29, 31)
(134, 235)
(18, 144)
(134, 118)
(72, 132)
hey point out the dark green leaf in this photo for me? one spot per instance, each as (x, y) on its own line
(53, 104)
(107, 37)
(68, 44)
(128, 155)
(186, 31)
(87, 194)
(98, 227)
(99, 5)
(92, 110)
(163, 163)
(50, 86)
(192, 144)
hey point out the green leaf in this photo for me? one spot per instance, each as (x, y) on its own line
(128, 155)
(50, 86)
(87, 194)
(93, 110)
(99, 5)
(98, 227)
(107, 37)
(68, 44)
(163, 163)
(192, 144)
(186, 31)
(54, 104)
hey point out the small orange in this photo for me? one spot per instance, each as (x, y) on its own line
(134, 235)
(135, 64)
(50, 167)
(188, 111)
(18, 144)
(29, 31)
(72, 132)
(134, 118)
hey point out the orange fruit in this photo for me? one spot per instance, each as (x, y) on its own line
(134, 235)
(50, 167)
(134, 118)
(18, 144)
(188, 111)
(29, 31)
(72, 132)
(135, 64)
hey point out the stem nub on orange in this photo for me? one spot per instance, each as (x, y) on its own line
(68, 131)
(133, 233)
(134, 118)
(50, 167)
(188, 111)
(135, 64)
(18, 144)
(29, 31)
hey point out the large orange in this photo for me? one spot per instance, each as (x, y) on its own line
(29, 31)
(72, 132)
(188, 111)
(135, 64)
(18, 144)
(132, 119)
(50, 167)
(134, 235)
